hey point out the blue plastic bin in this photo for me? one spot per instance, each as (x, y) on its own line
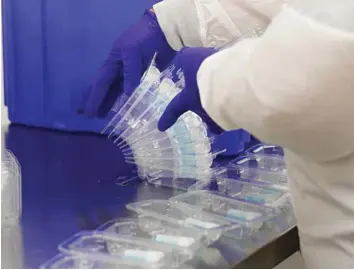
(52, 50)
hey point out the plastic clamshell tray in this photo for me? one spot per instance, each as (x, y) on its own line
(62, 261)
(211, 225)
(122, 250)
(250, 215)
(11, 204)
(264, 149)
(182, 183)
(263, 169)
(185, 240)
(261, 162)
(264, 178)
(252, 192)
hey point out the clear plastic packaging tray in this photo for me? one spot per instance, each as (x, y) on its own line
(263, 169)
(264, 149)
(248, 214)
(62, 261)
(10, 189)
(261, 162)
(181, 183)
(211, 225)
(122, 250)
(265, 178)
(252, 192)
(185, 240)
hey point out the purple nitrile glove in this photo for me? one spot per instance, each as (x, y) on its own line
(189, 61)
(130, 56)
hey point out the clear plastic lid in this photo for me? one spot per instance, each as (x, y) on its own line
(185, 240)
(181, 183)
(123, 250)
(187, 174)
(264, 149)
(211, 225)
(261, 177)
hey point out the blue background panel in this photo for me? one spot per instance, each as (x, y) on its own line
(52, 50)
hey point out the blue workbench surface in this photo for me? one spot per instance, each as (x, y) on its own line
(69, 185)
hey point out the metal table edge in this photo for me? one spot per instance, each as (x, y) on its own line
(273, 253)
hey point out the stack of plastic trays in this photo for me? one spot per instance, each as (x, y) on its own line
(266, 150)
(162, 158)
(142, 242)
(184, 147)
(10, 189)
(263, 169)
(118, 250)
(120, 121)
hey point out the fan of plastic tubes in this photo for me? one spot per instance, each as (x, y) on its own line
(182, 152)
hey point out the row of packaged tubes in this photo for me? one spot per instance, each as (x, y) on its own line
(182, 151)
(166, 234)
(263, 165)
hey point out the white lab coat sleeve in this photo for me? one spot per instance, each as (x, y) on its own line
(294, 86)
(213, 23)
(179, 22)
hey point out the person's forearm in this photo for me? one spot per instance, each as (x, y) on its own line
(212, 23)
(283, 87)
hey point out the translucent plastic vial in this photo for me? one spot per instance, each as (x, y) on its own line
(10, 189)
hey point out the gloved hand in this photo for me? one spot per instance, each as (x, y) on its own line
(189, 60)
(130, 56)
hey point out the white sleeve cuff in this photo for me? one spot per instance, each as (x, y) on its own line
(179, 22)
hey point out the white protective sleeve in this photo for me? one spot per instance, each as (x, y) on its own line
(293, 86)
(213, 23)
